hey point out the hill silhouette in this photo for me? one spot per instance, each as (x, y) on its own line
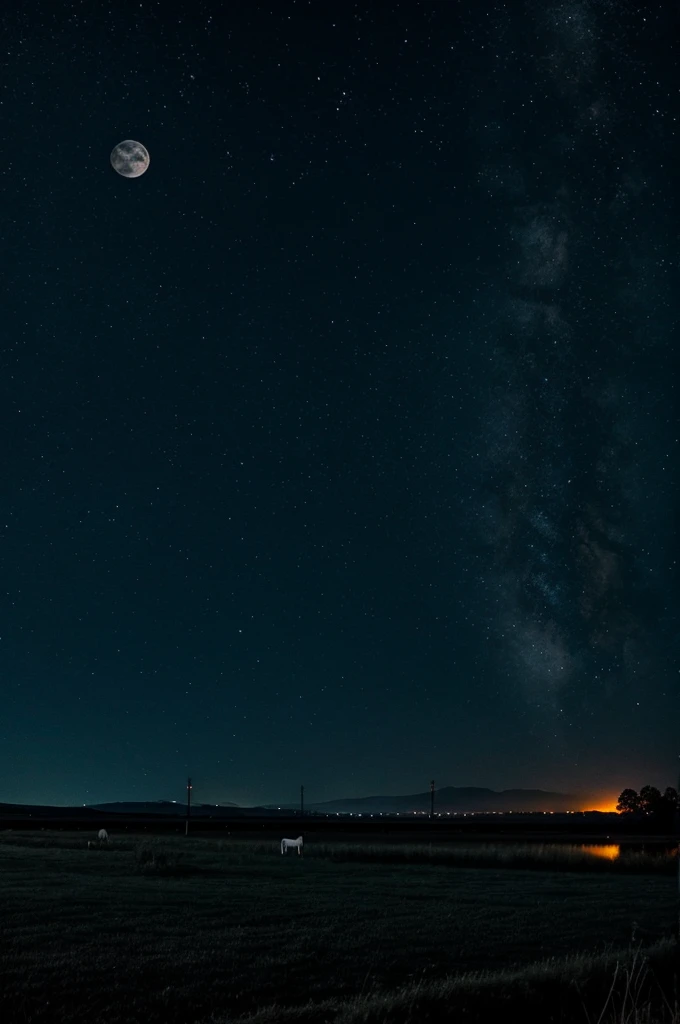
(448, 799)
(457, 800)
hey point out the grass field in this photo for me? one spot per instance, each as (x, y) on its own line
(198, 930)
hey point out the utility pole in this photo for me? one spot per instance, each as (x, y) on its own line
(186, 827)
(432, 800)
(302, 801)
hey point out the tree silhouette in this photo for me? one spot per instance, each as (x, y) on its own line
(651, 804)
(670, 798)
(629, 802)
(650, 800)
(668, 808)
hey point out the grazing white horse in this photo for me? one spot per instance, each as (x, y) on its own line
(287, 843)
(103, 835)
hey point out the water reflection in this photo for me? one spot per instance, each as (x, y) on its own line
(610, 852)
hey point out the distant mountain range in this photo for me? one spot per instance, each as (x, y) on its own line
(455, 799)
(449, 799)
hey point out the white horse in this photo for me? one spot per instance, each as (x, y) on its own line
(295, 843)
(103, 835)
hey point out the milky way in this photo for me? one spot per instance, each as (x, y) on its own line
(560, 510)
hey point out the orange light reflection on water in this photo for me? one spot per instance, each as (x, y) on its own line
(607, 852)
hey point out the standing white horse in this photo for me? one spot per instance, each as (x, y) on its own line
(287, 843)
(103, 835)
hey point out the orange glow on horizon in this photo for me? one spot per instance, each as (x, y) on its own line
(604, 804)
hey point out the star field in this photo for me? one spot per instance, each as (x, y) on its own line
(340, 446)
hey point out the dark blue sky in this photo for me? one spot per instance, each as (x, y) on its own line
(341, 446)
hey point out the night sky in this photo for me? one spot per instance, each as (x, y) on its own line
(341, 446)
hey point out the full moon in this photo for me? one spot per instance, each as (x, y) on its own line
(130, 158)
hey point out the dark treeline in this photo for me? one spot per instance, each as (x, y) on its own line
(650, 804)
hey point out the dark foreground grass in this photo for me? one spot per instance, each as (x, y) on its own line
(624, 987)
(185, 930)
